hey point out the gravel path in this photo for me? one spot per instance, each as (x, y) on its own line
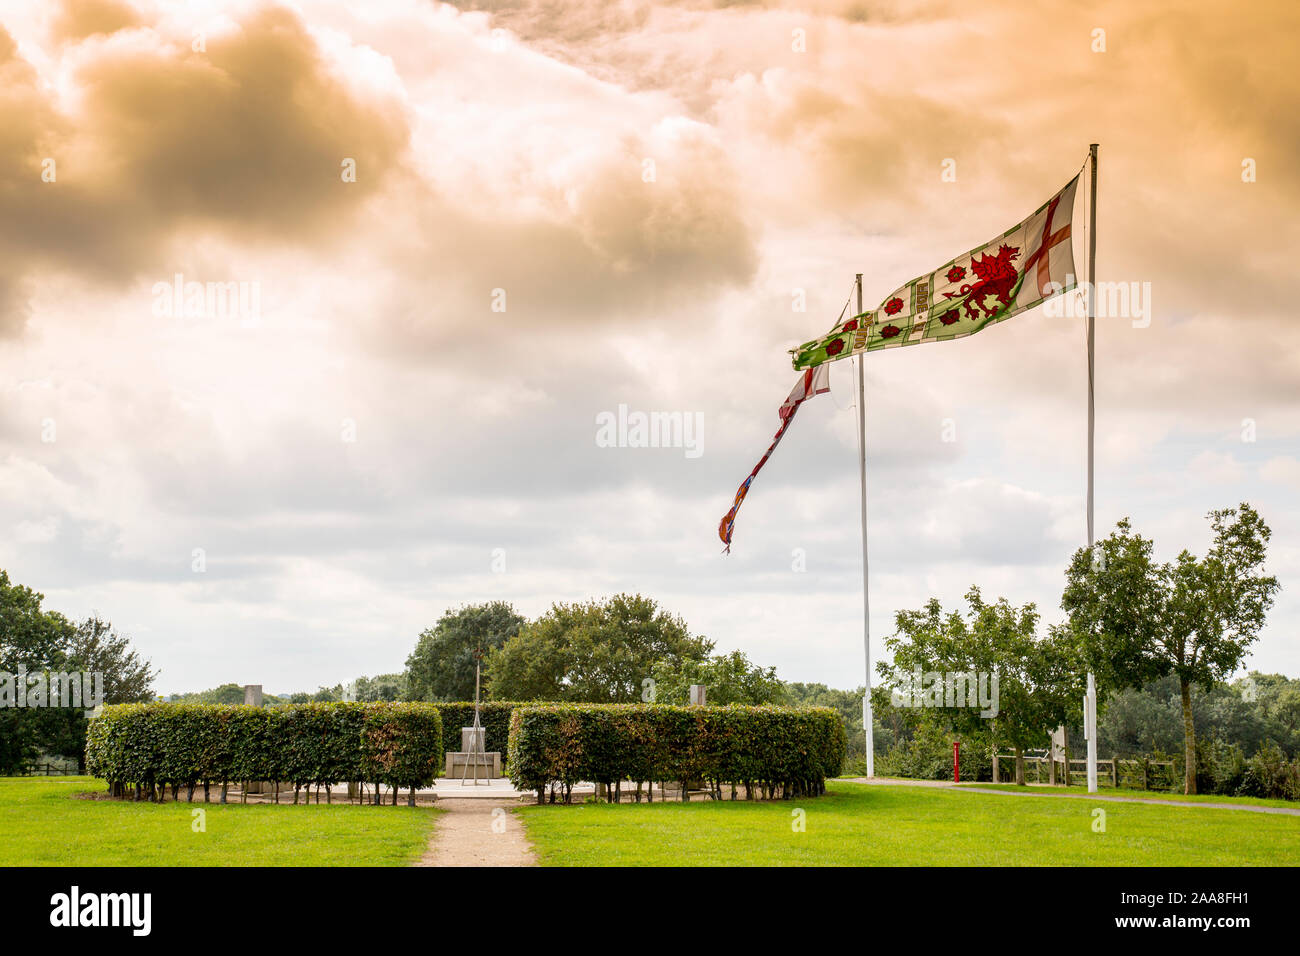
(477, 832)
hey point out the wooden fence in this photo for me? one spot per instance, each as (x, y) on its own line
(1134, 774)
(52, 770)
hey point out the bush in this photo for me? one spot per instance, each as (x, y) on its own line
(1270, 774)
(1220, 768)
(148, 745)
(927, 755)
(773, 751)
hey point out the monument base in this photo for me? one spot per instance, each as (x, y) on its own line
(463, 764)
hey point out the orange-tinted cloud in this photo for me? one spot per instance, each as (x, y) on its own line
(247, 136)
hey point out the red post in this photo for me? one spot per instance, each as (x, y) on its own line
(956, 762)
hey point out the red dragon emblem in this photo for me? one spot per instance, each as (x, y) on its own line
(997, 277)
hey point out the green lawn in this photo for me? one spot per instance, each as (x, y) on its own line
(857, 824)
(1145, 794)
(43, 823)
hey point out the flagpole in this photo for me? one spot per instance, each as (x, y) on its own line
(1090, 703)
(867, 719)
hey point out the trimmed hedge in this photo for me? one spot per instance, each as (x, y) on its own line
(773, 751)
(149, 745)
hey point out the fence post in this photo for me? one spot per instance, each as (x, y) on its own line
(995, 765)
(1114, 771)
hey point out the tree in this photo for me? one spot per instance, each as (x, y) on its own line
(380, 687)
(30, 637)
(442, 665)
(40, 640)
(730, 679)
(594, 652)
(1036, 682)
(322, 695)
(95, 647)
(1195, 617)
(221, 694)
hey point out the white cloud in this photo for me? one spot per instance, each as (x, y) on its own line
(521, 168)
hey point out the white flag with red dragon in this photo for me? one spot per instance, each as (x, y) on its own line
(1026, 265)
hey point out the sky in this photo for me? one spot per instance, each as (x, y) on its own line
(457, 238)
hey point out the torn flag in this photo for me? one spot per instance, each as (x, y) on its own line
(812, 382)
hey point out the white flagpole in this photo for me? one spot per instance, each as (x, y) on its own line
(866, 600)
(1090, 705)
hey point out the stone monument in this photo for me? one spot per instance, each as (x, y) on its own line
(472, 760)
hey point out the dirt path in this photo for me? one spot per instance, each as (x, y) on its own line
(470, 834)
(892, 782)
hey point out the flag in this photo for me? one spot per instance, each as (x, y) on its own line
(812, 382)
(1026, 265)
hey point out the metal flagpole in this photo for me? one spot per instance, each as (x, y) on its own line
(1090, 701)
(866, 599)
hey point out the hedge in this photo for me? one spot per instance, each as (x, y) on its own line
(773, 751)
(152, 745)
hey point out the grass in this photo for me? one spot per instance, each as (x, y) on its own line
(1144, 794)
(862, 825)
(44, 823)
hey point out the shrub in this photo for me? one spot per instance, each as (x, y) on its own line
(402, 744)
(149, 745)
(927, 755)
(773, 751)
(1220, 768)
(1270, 774)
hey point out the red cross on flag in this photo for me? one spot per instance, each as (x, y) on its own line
(1030, 262)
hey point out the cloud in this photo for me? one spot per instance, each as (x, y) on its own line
(505, 148)
(159, 143)
(79, 19)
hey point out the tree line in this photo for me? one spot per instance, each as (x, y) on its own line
(1141, 626)
(1134, 622)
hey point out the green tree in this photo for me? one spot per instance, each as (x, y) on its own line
(41, 640)
(322, 695)
(221, 694)
(730, 679)
(594, 652)
(95, 647)
(30, 636)
(1036, 683)
(1194, 618)
(442, 665)
(380, 687)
